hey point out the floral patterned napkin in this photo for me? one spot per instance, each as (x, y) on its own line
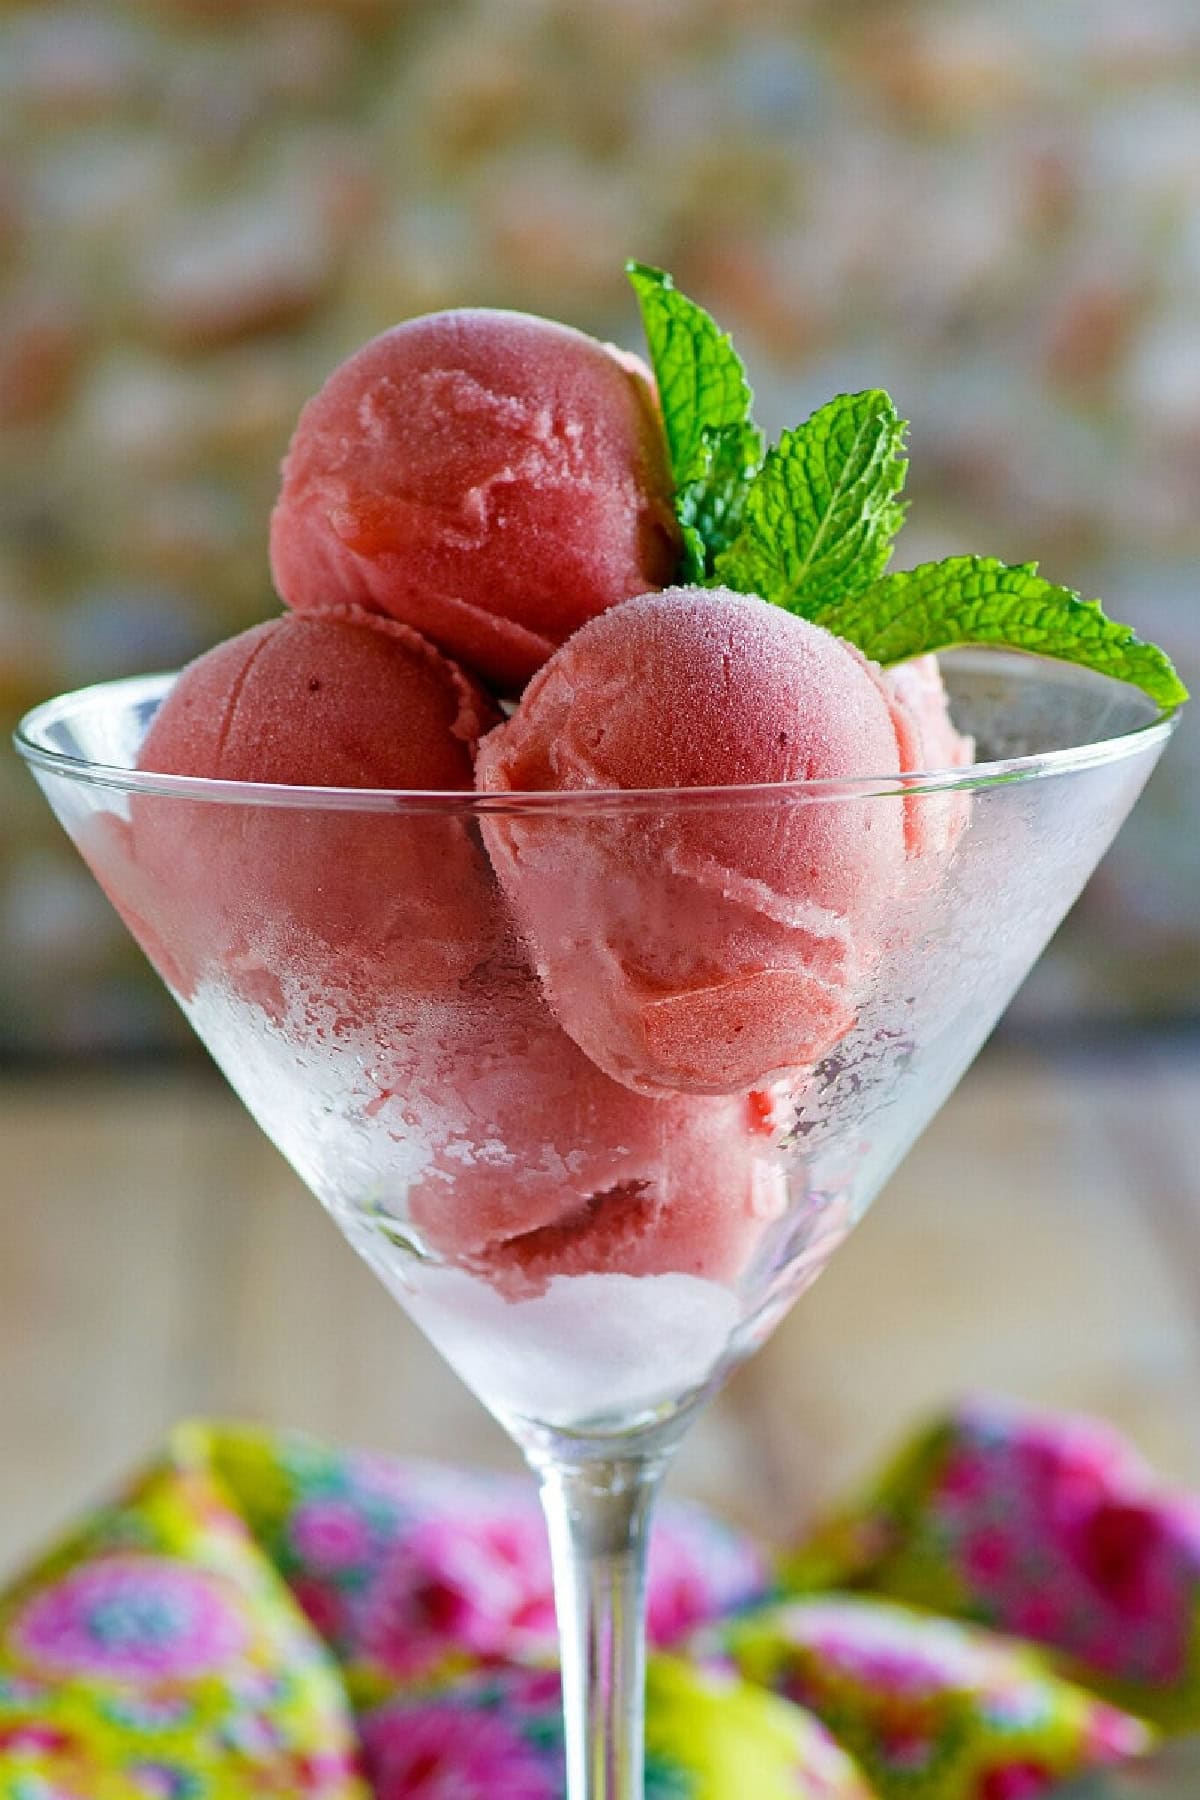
(1013, 1601)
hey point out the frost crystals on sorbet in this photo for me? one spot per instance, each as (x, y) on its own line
(695, 947)
(490, 478)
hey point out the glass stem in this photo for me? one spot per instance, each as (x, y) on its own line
(599, 1518)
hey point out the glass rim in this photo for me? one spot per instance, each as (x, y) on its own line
(28, 738)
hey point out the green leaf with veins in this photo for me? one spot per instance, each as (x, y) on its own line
(702, 385)
(820, 517)
(714, 445)
(977, 600)
(810, 528)
(710, 506)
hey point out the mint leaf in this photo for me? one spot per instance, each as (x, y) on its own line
(820, 517)
(977, 600)
(710, 506)
(702, 385)
(810, 527)
(693, 564)
(714, 445)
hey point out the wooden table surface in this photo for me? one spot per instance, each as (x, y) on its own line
(161, 1260)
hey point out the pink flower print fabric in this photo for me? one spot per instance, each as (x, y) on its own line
(412, 1571)
(1047, 1528)
(260, 1615)
(129, 1618)
(496, 1736)
(928, 1706)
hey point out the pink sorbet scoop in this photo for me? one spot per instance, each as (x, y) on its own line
(693, 946)
(541, 1166)
(490, 478)
(245, 890)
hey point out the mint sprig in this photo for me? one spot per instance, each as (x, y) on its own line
(819, 520)
(977, 600)
(714, 445)
(810, 526)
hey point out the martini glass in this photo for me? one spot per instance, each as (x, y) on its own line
(591, 1261)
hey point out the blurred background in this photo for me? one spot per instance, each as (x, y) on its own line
(994, 210)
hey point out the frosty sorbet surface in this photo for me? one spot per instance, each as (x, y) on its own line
(490, 478)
